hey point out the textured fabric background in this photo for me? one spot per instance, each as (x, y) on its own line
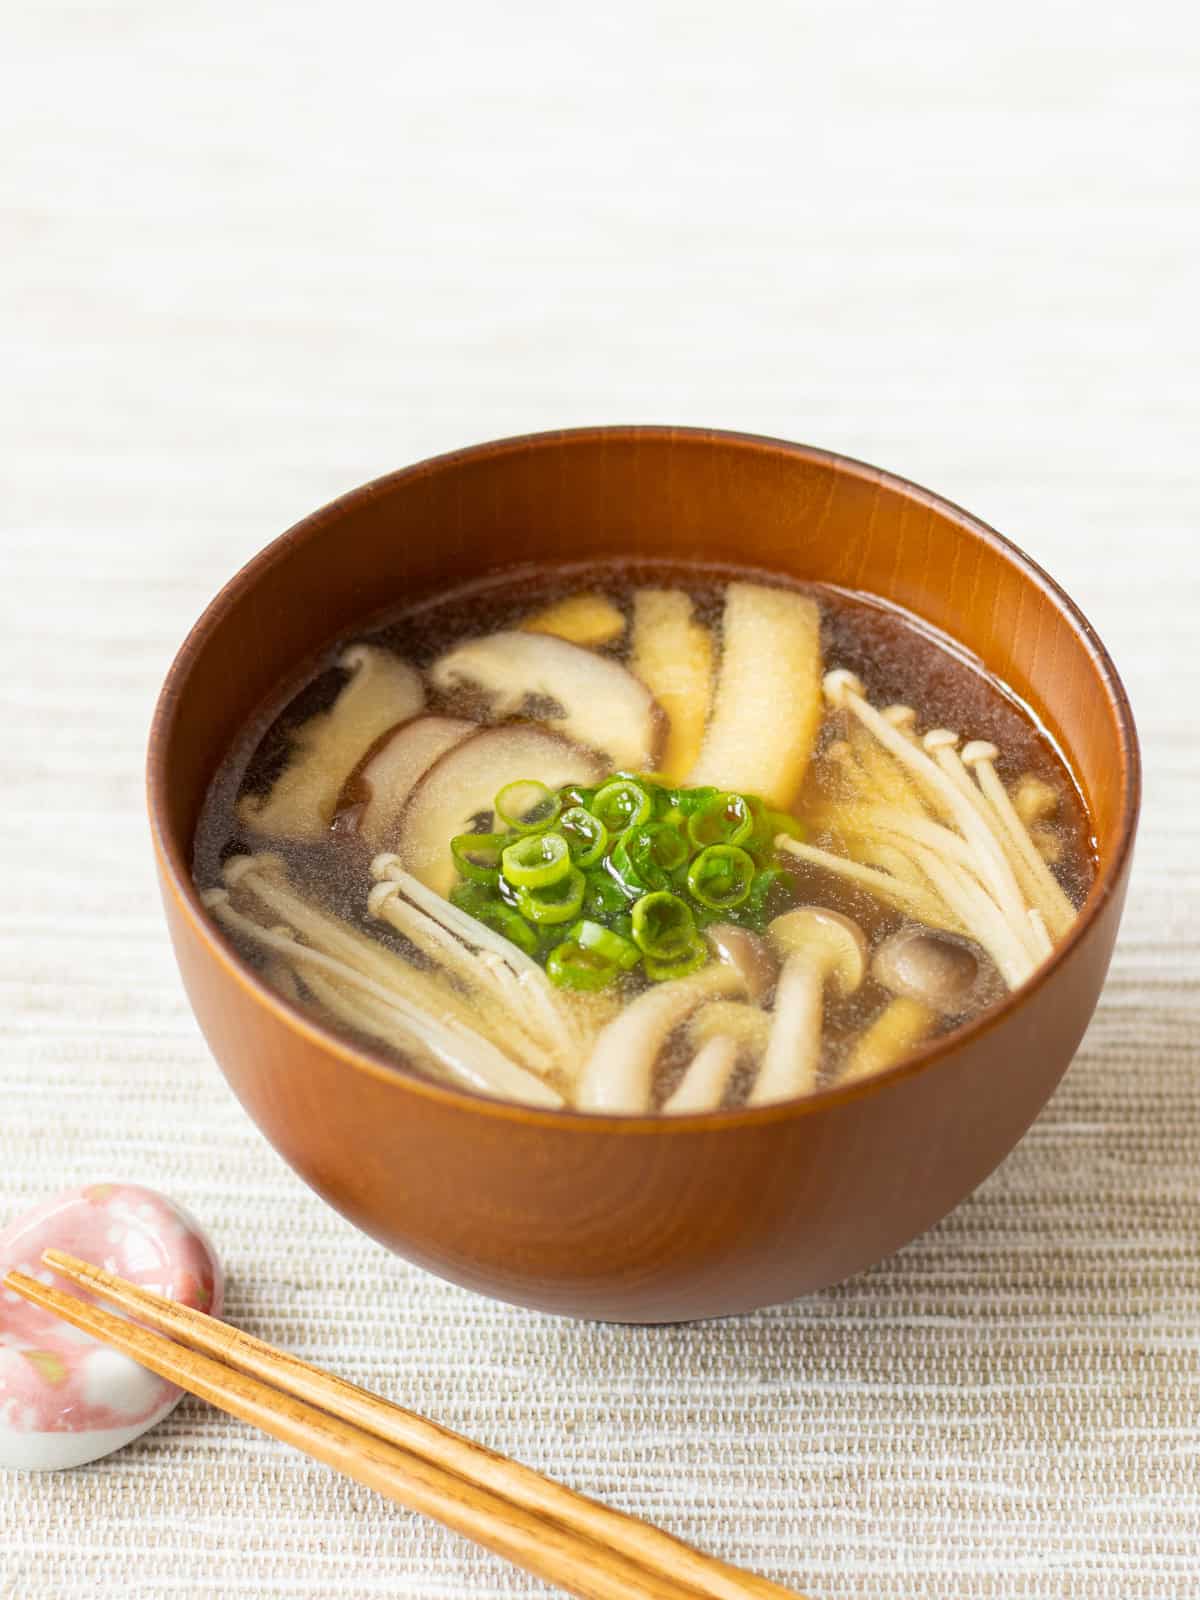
(253, 255)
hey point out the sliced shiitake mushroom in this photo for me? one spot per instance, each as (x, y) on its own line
(376, 792)
(603, 706)
(462, 785)
(380, 691)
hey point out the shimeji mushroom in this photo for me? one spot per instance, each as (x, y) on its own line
(381, 690)
(464, 1056)
(748, 954)
(603, 706)
(723, 1033)
(821, 951)
(705, 1078)
(618, 1073)
(928, 977)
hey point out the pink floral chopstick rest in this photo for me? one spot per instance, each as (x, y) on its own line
(64, 1398)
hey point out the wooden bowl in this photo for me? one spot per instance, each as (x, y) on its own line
(634, 1218)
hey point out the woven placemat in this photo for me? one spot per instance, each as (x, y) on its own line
(254, 256)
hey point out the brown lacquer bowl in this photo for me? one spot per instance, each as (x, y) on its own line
(635, 1218)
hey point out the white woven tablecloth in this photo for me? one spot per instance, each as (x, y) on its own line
(253, 255)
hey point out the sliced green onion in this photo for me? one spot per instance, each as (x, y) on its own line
(602, 941)
(570, 966)
(586, 835)
(605, 897)
(663, 926)
(778, 822)
(693, 958)
(724, 819)
(537, 860)
(477, 855)
(772, 892)
(645, 856)
(474, 899)
(621, 804)
(576, 794)
(554, 902)
(527, 805)
(721, 875)
(660, 844)
(685, 801)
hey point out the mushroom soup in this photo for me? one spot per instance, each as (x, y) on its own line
(639, 839)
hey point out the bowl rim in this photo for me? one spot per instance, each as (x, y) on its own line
(176, 875)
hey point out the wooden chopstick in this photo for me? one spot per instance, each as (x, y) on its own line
(587, 1548)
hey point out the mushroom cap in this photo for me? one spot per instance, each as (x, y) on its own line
(829, 940)
(920, 965)
(747, 954)
(839, 683)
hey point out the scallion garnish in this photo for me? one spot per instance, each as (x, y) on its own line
(600, 885)
(536, 860)
(720, 876)
(527, 805)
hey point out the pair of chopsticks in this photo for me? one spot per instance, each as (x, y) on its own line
(586, 1548)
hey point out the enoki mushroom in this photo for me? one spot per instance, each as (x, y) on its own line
(939, 836)
(375, 991)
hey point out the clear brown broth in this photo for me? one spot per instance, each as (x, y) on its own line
(899, 659)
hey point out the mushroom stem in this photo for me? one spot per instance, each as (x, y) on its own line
(991, 800)
(868, 820)
(617, 1074)
(980, 915)
(900, 1027)
(793, 1055)
(913, 901)
(263, 879)
(1044, 890)
(565, 1027)
(747, 1025)
(707, 1076)
(481, 972)
(842, 688)
(467, 1056)
(822, 949)
(890, 857)
(1040, 931)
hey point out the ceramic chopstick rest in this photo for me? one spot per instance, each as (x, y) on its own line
(64, 1398)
